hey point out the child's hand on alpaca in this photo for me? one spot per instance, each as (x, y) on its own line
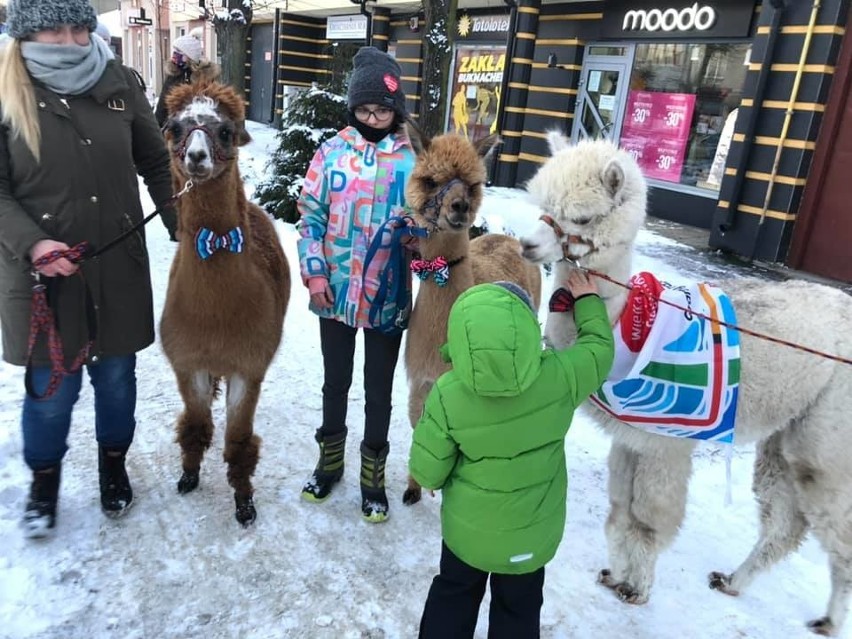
(579, 283)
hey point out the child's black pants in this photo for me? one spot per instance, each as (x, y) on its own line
(453, 602)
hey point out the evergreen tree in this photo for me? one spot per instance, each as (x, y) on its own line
(311, 118)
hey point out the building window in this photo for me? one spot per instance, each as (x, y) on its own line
(681, 98)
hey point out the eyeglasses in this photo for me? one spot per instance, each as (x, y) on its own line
(381, 114)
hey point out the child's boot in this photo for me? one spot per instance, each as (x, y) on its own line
(329, 468)
(374, 501)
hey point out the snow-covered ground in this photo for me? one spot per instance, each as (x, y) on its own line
(180, 566)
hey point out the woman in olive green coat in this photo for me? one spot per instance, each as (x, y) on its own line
(75, 131)
(492, 437)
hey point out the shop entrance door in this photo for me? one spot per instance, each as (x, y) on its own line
(601, 93)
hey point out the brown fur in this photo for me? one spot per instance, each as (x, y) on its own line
(488, 258)
(223, 316)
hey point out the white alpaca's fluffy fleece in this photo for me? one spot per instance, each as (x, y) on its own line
(796, 405)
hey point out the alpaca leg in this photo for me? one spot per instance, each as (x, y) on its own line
(416, 400)
(654, 513)
(242, 446)
(195, 425)
(838, 605)
(782, 525)
(622, 467)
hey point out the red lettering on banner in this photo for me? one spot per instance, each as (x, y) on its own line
(640, 311)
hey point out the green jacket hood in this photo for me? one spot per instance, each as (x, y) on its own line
(493, 341)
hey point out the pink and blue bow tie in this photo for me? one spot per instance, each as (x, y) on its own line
(437, 268)
(207, 242)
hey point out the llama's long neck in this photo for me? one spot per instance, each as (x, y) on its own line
(428, 329)
(218, 204)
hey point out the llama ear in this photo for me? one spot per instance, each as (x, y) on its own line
(486, 145)
(613, 177)
(242, 136)
(419, 140)
(557, 141)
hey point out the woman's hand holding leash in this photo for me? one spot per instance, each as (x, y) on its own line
(60, 266)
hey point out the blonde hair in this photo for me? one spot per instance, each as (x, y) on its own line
(18, 105)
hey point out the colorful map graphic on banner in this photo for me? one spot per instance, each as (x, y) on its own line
(656, 130)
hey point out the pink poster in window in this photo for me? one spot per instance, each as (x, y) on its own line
(656, 130)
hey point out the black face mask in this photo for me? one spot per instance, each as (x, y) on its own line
(373, 134)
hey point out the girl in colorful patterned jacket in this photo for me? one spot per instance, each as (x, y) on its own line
(355, 183)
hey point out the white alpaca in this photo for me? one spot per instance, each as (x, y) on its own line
(796, 405)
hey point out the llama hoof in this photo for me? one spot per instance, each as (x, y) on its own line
(629, 595)
(187, 482)
(822, 626)
(722, 582)
(411, 496)
(605, 578)
(246, 514)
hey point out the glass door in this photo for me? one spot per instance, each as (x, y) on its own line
(601, 94)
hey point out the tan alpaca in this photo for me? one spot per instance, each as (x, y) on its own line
(223, 314)
(444, 194)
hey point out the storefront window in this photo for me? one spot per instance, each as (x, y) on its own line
(681, 98)
(475, 90)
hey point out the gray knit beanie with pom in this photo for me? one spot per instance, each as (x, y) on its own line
(376, 79)
(25, 17)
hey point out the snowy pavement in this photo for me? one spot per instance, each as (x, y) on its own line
(181, 567)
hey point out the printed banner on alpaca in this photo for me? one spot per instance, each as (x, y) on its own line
(676, 372)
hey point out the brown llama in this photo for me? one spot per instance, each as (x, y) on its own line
(444, 194)
(228, 286)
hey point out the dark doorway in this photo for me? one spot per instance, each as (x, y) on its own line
(823, 232)
(262, 91)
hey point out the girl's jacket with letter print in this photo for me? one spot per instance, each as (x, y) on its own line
(351, 188)
(493, 428)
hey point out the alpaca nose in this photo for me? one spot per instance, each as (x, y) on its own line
(197, 156)
(460, 206)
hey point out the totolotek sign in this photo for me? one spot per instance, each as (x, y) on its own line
(677, 19)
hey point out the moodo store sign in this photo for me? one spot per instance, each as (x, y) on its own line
(677, 19)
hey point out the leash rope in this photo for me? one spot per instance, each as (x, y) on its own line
(42, 319)
(735, 327)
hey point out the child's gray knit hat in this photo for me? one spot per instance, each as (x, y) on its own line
(517, 290)
(25, 17)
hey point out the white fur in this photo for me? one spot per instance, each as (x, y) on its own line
(797, 406)
(201, 108)
(199, 155)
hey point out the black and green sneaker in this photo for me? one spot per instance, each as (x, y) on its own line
(329, 468)
(374, 501)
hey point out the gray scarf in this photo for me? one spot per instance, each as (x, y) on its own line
(67, 69)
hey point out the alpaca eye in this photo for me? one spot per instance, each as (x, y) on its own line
(176, 129)
(429, 183)
(225, 135)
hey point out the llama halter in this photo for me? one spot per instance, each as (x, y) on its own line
(218, 153)
(565, 240)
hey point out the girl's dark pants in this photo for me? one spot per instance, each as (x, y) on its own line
(380, 356)
(453, 603)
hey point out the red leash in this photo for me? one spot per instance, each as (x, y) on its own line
(768, 338)
(42, 320)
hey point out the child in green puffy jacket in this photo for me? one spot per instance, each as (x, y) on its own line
(492, 438)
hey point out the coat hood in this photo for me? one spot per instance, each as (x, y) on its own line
(493, 341)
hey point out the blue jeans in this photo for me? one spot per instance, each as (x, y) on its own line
(46, 422)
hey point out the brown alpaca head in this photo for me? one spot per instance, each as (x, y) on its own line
(205, 128)
(444, 191)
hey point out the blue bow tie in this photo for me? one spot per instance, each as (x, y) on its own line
(207, 242)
